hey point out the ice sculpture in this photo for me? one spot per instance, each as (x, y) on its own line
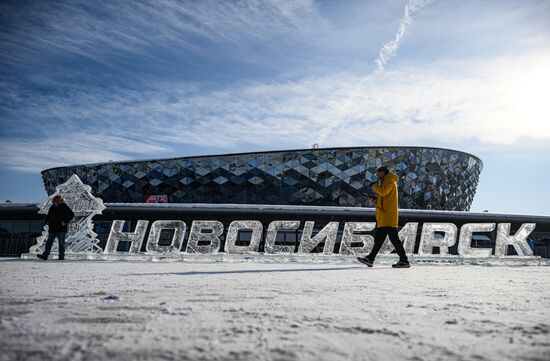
(117, 235)
(154, 236)
(233, 232)
(428, 239)
(328, 234)
(348, 238)
(274, 227)
(80, 231)
(465, 240)
(518, 240)
(210, 240)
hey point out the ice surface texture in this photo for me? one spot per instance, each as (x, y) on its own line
(80, 233)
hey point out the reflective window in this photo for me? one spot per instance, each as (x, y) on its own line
(429, 178)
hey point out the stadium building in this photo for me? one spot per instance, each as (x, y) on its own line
(430, 178)
(307, 185)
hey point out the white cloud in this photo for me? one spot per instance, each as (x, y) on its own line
(65, 149)
(497, 102)
(102, 29)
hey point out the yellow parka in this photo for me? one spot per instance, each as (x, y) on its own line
(386, 201)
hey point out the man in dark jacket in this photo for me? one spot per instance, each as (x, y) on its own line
(59, 216)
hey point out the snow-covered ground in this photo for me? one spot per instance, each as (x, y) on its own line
(101, 310)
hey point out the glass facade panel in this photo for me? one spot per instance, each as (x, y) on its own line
(430, 178)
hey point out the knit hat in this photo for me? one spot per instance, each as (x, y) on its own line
(383, 169)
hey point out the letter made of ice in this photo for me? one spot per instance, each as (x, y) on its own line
(518, 240)
(274, 227)
(465, 240)
(327, 234)
(211, 240)
(428, 239)
(349, 237)
(153, 246)
(407, 236)
(233, 233)
(135, 238)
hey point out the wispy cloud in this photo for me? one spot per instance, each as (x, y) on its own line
(412, 106)
(101, 29)
(61, 148)
(389, 49)
(67, 119)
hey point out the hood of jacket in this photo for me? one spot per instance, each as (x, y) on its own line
(391, 177)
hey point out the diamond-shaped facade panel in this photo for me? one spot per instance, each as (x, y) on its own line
(429, 178)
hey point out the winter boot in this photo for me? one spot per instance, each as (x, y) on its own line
(402, 264)
(365, 260)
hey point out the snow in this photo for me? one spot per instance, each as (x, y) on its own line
(257, 310)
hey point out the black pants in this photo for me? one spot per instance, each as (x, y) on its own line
(60, 239)
(379, 239)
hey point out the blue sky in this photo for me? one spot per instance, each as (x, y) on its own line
(84, 82)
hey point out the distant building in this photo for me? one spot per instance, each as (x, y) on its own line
(430, 178)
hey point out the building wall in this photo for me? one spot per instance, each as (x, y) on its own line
(20, 224)
(430, 178)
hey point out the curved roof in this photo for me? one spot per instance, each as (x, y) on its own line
(264, 152)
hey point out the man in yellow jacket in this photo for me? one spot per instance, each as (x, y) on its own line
(386, 218)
